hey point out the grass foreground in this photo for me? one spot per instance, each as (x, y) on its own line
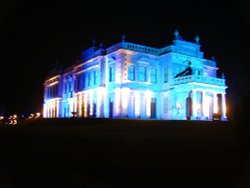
(123, 153)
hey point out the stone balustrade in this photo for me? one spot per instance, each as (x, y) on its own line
(134, 47)
(199, 79)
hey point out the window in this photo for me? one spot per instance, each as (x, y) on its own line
(89, 78)
(65, 89)
(142, 74)
(94, 74)
(165, 75)
(69, 86)
(83, 80)
(198, 72)
(131, 72)
(55, 94)
(111, 73)
(80, 82)
(153, 75)
(48, 92)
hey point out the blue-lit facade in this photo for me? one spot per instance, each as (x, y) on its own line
(129, 80)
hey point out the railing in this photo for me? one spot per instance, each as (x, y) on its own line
(140, 48)
(166, 49)
(199, 79)
(114, 47)
(134, 47)
(210, 63)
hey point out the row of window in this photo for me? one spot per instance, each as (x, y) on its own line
(52, 91)
(80, 83)
(142, 77)
(93, 76)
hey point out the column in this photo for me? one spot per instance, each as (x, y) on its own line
(223, 100)
(215, 103)
(74, 103)
(80, 105)
(117, 102)
(45, 110)
(100, 101)
(137, 103)
(85, 104)
(194, 104)
(125, 95)
(57, 108)
(203, 105)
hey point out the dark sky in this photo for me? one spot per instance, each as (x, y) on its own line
(37, 35)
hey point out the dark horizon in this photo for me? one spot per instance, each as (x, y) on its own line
(35, 37)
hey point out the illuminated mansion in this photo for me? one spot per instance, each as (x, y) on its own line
(130, 80)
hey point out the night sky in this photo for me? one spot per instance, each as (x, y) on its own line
(37, 36)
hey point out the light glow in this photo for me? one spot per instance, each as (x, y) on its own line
(194, 104)
(117, 101)
(80, 105)
(91, 93)
(125, 97)
(148, 95)
(137, 103)
(224, 106)
(178, 105)
(215, 103)
(207, 102)
(85, 104)
(183, 95)
(101, 94)
(45, 110)
(71, 107)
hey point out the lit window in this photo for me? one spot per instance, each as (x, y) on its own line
(69, 86)
(142, 74)
(83, 80)
(131, 72)
(153, 75)
(165, 75)
(56, 90)
(198, 72)
(111, 73)
(65, 89)
(89, 78)
(80, 82)
(47, 92)
(94, 74)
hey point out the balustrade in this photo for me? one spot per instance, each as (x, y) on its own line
(199, 79)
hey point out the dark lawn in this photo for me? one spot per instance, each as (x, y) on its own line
(123, 153)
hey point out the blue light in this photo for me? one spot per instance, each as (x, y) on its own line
(130, 80)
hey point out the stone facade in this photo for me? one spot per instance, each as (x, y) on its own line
(129, 80)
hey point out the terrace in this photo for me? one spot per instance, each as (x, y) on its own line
(199, 79)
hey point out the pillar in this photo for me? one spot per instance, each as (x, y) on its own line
(194, 104)
(203, 105)
(215, 103)
(223, 100)
(80, 105)
(57, 108)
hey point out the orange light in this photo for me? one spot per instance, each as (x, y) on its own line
(125, 97)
